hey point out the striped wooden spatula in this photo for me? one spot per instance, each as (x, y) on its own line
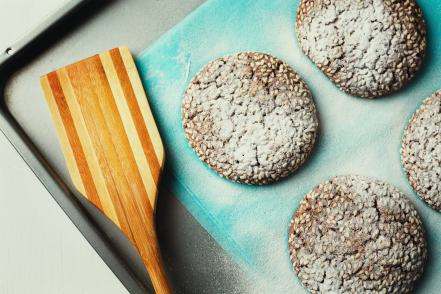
(112, 147)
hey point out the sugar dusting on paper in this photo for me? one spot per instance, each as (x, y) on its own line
(356, 136)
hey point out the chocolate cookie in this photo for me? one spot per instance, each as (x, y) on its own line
(366, 48)
(421, 151)
(249, 117)
(353, 234)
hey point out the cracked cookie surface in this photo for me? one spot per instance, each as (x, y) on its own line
(249, 117)
(366, 48)
(353, 234)
(421, 151)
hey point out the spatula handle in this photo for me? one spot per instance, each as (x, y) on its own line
(155, 267)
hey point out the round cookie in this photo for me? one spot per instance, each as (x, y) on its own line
(249, 117)
(366, 48)
(353, 234)
(421, 151)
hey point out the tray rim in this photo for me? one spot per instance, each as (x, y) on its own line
(76, 212)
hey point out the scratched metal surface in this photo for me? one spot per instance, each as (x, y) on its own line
(196, 263)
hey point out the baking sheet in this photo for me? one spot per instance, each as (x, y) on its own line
(356, 135)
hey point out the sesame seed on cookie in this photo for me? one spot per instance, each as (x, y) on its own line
(353, 234)
(366, 48)
(421, 151)
(249, 117)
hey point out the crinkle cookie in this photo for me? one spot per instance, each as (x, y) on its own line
(249, 117)
(367, 48)
(353, 234)
(421, 151)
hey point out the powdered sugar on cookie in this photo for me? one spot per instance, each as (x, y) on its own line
(421, 151)
(249, 117)
(353, 234)
(367, 48)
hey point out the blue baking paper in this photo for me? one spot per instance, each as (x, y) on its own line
(355, 136)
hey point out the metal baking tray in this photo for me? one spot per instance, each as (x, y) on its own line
(74, 31)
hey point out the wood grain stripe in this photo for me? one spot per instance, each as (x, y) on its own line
(144, 136)
(64, 140)
(139, 188)
(93, 153)
(130, 128)
(138, 89)
(121, 160)
(74, 140)
(111, 172)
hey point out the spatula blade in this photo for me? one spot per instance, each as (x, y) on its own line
(112, 146)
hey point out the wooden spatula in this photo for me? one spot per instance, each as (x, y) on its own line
(112, 147)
